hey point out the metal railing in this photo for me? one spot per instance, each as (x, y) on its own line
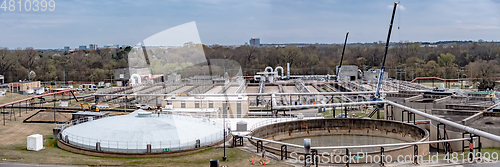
(115, 146)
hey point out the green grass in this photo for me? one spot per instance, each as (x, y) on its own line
(10, 97)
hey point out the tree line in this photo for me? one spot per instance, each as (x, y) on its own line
(450, 60)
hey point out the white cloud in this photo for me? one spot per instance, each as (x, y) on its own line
(478, 27)
(400, 7)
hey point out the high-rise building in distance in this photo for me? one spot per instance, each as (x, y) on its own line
(254, 42)
(92, 46)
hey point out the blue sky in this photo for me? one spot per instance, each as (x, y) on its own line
(81, 22)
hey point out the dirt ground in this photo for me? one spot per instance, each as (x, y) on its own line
(15, 132)
(13, 150)
(48, 115)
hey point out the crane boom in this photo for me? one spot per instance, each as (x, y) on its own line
(341, 58)
(382, 68)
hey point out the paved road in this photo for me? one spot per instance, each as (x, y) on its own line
(29, 165)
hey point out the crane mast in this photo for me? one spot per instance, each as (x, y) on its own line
(341, 58)
(382, 68)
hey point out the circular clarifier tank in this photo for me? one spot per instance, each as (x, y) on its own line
(344, 132)
(143, 132)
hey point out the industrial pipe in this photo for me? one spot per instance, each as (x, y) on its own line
(253, 94)
(279, 67)
(328, 105)
(448, 122)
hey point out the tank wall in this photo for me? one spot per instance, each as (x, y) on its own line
(304, 128)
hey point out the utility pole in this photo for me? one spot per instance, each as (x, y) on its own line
(54, 109)
(412, 75)
(224, 158)
(405, 73)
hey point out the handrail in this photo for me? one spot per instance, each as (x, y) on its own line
(360, 146)
(447, 122)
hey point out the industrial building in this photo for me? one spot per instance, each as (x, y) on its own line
(174, 78)
(349, 73)
(17, 87)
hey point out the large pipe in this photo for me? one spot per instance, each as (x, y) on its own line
(268, 68)
(328, 105)
(255, 77)
(447, 122)
(279, 67)
(288, 70)
(252, 94)
(136, 76)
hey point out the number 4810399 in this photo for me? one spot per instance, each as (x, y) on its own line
(28, 5)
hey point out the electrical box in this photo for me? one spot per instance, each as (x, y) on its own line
(35, 142)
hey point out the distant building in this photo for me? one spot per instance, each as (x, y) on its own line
(254, 42)
(174, 77)
(66, 48)
(373, 74)
(348, 73)
(1, 79)
(23, 86)
(82, 47)
(122, 75)
(92, 46)
(111, 46)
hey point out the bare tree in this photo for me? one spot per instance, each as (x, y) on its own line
(27, 57)
(7, 60)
